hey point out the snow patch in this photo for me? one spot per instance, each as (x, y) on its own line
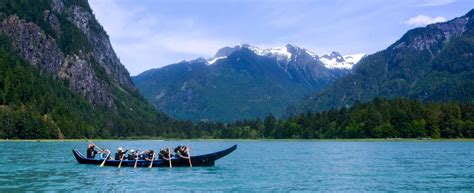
(345, 62)
(214, 60)
(279, 52)
(312, 54)
(355, 58)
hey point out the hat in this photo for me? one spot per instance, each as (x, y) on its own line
(131, 151)
(120, 149)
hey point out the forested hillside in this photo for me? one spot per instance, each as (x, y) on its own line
(380, 118)
(60, 78)
(433, 63)
(241, 82)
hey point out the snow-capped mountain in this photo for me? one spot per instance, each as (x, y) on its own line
(336, 60)
(239, 82)
(281, 53)
(289, 52)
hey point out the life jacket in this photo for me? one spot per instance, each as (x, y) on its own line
(103, 155)
(119, 155)
(91, 152)
(131, 156)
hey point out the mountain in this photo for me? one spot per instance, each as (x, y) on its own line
(336, 60)
(432, 63)
(332, 61)
(60, 77)
(240, 82)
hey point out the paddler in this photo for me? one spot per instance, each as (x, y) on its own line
(164, 154)
(149, 156)
(91, 152)
(120, 153)
(182, 152)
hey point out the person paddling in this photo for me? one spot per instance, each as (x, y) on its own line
(144, 155)
(149, 156)
(164, 154)
(182, 152)
(91, 152)
(138, 154)
(131, 155)
(120, 153)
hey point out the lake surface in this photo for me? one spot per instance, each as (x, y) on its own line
(254, 166)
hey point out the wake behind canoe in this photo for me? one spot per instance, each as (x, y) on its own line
(199, 160)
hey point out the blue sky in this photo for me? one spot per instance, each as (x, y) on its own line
(153, 33)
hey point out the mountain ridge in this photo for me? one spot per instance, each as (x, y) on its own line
(432, 63)
(256, 82)
(334, 60)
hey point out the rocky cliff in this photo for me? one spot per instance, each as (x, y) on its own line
(60, 77)
(91, 68)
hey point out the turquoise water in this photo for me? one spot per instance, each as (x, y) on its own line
(254, 166)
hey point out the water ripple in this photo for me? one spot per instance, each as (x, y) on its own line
(255, 166)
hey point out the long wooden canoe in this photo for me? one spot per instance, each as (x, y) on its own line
(198, 160)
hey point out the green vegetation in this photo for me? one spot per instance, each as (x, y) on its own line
(242, 86)
(441, 71)
(35, 105)
(381, 118)
(29, 10)
(70, 39)
(81, 3)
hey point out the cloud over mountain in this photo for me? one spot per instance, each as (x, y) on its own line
(423, 20)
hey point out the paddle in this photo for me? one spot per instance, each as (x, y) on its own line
(103, 162)
(136, 160)
(121, 159)
(169, 156)
(189, 158)
(97, 147)
(152, 158)
(90, 141)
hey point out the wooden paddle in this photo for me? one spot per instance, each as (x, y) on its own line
(105, 159)
(169, 157)
(189, 158)
(121, 159)
(90, 141)
(152, 159)
(97, 147)
(136, 160)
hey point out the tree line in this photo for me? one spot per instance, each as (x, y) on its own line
(380, 118)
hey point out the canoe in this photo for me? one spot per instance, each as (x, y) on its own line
(198, 160)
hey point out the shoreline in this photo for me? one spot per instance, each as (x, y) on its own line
(269, 140)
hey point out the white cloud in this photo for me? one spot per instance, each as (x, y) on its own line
(146, 40)
(432, 3)
(423, 20)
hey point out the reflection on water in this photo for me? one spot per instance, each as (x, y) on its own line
(254, 166)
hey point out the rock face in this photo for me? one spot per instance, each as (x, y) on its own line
(33, 44)
(102, 50)
(60, 77)
(433, 63)
(92, 70)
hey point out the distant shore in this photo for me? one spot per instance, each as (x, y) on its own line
(286, 140)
